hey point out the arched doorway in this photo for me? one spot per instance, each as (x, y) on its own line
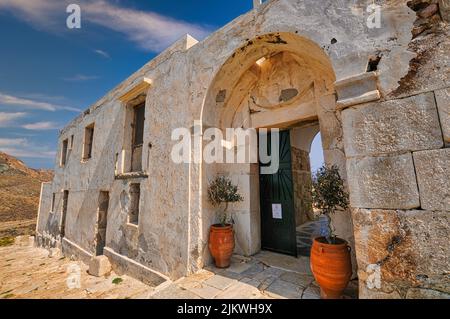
(281, 81)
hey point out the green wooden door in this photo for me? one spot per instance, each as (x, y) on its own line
(277, 202)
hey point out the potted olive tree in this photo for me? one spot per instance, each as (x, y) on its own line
(330, 255)
(222, 192)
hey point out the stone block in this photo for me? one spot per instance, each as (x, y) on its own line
(25, 241)
(399, 249)
(357, 89)
(366, 293)
(239, 267)
(99, 266)
(444, 8)
(219, 282)
(418, 293)
(311, 293)
(336, 157)
(383, 182)
(173, 291)
(433, 177)
(300, 280)
(122, 264)
(204, 291)
(240, 290)
(54, 253)
(408, 124)
(284, 290)
(443, 106)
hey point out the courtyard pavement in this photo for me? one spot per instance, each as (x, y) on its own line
(30, 272)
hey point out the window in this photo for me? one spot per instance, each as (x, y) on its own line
(62, 161)
(88, 141)
(64, 212)
(133, 144)
(138, 137)
(71, 142)
(135, 194)
(102, 220)
(53, 202)
(138, 129)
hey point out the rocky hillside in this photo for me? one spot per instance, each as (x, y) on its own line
(19, 194)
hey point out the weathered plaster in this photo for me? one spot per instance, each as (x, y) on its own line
(210, 81)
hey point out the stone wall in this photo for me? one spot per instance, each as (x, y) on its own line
(107, 170)
(301, 177)
(399, 176)
(192, 81)
(301, 140)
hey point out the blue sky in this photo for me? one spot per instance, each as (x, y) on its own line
(49, 73)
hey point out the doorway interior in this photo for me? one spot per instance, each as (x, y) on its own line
(102, 221)
(288, 220)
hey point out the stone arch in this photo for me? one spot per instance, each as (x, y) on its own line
(240, 70)
(276, 80)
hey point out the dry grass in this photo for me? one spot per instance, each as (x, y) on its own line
(20, 187)
(6, 241)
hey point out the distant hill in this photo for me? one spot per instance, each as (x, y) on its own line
(19, 195)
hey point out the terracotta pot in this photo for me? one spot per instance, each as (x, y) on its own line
(331, 266)
(221, 244)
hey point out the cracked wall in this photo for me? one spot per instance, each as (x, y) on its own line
(397, 164)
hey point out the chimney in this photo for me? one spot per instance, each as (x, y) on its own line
(256, 3)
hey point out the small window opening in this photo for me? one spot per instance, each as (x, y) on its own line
(88, 142)
(138, 137)
(372, 65)
(102, 220)
(53, 202)
(64, 152)
(64, 212)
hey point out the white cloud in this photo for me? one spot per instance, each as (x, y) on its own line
(21, 147)
(103, 53)
(13, 142)
(42, 14)
(81, 78)
(150, 30)
(7, 119)
(13, 100)
(33, 104)
(43, 97)
(42, 126)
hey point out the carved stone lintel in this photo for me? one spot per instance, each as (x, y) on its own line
(135, 89)
(357, 89)
(363, 98)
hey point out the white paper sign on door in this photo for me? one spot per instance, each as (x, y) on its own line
(276, 211)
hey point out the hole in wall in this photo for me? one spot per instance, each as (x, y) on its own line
(221, 96)
(372, 65)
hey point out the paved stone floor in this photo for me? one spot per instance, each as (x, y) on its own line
(28, 272)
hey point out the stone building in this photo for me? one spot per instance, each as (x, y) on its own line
(378, 94)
